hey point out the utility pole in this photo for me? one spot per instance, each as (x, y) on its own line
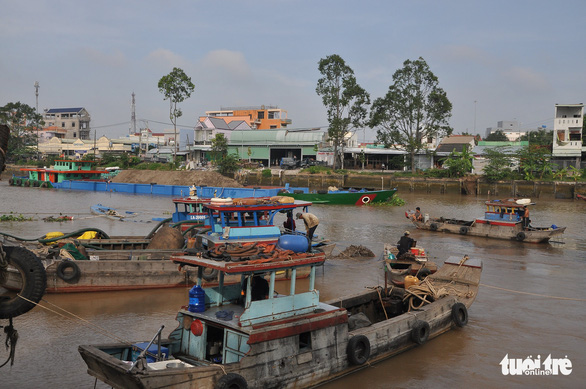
(37, 112)
(132, 116)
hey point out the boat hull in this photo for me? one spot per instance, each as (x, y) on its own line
(491, 229)
(345, 198)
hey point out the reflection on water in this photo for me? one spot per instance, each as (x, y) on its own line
(501, 322)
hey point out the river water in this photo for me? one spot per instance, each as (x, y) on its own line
(532, 324)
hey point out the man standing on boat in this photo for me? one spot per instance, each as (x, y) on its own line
(525, 217)
(311, 222)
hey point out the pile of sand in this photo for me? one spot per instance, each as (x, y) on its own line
(186, 177)
(355, 252)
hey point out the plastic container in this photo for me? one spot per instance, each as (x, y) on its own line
(197, 299)
(426, 218)
(138, 347)
(411, 280)
(295, 243)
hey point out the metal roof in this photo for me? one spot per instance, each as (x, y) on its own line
(279, 136)
(64, 110)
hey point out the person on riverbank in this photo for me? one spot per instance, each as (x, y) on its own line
(311, 222)
(404, 244)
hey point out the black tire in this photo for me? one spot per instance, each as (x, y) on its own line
(520, 236)
(231, 381)
(44, 185)
(322, 191)
(463, 230)
(459, 314)
(36, 183)
(358, 350)
(34, 280)
(420, 332)
(18, 182)
(70, 277)
(210, 274)
(433, 226)
(423, 273)
(11, 181)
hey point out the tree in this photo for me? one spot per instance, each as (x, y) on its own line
(24, 123)
(459, 163)
(542, 137)
(228, 164)
(414, 109)
(499, 164)
(219, 147)
(497, 136)
(535, 159)
(346, 102)
(176, 87)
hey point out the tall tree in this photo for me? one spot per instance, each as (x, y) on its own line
(219, 147)
(24, 122)
(176, 87)
(497, 136)
(414, 109)
(346, 102)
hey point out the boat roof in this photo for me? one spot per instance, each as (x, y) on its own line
(511, 202)
(223, 207)
(276, 264)
(191, 200)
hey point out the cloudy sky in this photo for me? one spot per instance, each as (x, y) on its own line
(496, 60)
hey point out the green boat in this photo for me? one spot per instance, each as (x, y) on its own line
(63, 169)
(343, 197)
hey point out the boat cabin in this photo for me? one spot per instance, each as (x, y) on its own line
(509, 210)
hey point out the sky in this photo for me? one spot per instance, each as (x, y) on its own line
(496, 60)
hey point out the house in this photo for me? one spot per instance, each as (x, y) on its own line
(510, 128)
(568, 147)
(75, 121)
(258, 118)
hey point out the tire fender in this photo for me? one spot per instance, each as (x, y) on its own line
(520, 236)
(358, 350)
(210, 275)
(231, 381)
(433, 226)
(420, 332)
(459, 314)
(34, 282)
(463, 230)
(71, 277)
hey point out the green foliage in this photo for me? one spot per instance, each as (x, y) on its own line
(14, 218)
(219, 147)
(394, 201)
(414, 109)
(541, 137)
(318, 169)
(346, 102)
(534, 160)
(575, 173)
(437, 173)
(24, 122)
(498, 166)
(175, 87)
(497, 136)
(459, 164)
(560, 174)
(228, 164)
(266, 173)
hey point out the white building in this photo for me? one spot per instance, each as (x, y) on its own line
(568, 148)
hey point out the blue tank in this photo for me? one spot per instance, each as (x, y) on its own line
(295, 243)
(197, 299)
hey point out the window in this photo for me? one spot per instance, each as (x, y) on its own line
(75, 134)
(561, 135)
(73, 124)
(305, 342)
(63, 124)
(261, 115)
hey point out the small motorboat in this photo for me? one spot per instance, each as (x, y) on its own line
(111, 213)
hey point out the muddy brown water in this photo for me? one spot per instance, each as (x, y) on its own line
(502, 322)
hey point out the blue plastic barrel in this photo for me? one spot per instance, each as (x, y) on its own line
(295, 243)
(197, 299)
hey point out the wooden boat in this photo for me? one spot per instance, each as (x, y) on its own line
(63, 169)
(581, 197)
(342, 197)
(415, 263)
(502, 220)
(111, 213)
(289, 340)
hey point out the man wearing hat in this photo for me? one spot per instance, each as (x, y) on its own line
(404, 244)
(311, 222)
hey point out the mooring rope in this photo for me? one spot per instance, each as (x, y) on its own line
(533, 294)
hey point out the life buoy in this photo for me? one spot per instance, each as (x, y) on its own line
(69, 277)
(365, 200)
(358, 350)
(210, 274)
(34, 282)
(463, 230)
(460, 314)
(520, 236)
(433, 226)
(231, 381)
(420, 332)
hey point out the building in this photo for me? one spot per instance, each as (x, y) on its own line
(568, 148)
(510, 128)
(208, 127)
(75, 122)
(77, 148)
(258, 118)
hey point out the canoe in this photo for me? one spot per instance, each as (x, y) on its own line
(111, 213)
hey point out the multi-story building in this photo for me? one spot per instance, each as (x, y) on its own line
(568, 148)
(258, 118)
(75, 122)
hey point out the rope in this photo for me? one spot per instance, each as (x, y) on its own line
(11, 339)
(533, 294)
